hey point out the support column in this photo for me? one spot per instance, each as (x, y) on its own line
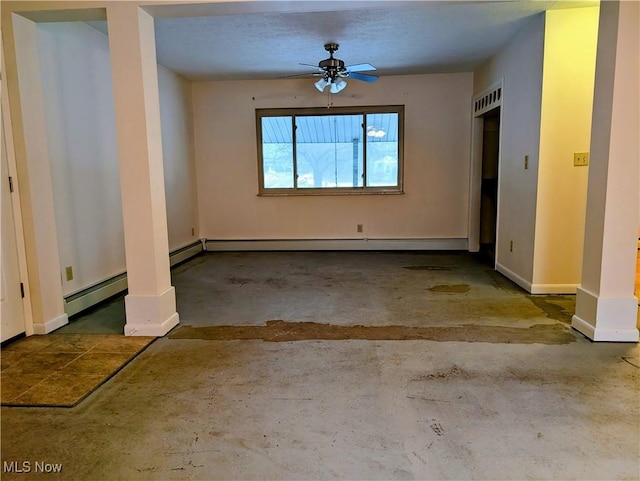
(606, 309)
(151, 302)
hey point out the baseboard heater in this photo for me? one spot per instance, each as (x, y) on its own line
(406, 244)
(92, 295)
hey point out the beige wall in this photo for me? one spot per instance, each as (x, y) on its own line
(436, 162)
(567, 100)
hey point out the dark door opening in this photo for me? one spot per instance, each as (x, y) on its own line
(489, 185)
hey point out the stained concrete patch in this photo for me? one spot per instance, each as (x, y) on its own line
(283, 331)
(453, 371)
(428, 268)
(239, 281)
(455, 288)
(277, 282)
(559, 308)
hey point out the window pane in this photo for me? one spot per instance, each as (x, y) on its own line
(277, 152)
(382, 150)
(329, 151)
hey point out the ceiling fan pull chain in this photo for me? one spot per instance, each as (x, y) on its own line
(335, 148)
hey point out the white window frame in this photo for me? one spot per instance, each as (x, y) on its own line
(317, 111)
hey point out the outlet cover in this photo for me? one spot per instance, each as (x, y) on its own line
(580, 159)
(69, 273)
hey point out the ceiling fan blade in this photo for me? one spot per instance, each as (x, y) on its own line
(312, 66)
(306, 74)
(361, 67)
(363, 77)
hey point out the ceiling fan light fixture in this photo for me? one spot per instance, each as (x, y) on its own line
(321, 84)
(338, 85)
(332, 72)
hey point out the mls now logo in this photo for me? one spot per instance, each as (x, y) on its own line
(28, 467)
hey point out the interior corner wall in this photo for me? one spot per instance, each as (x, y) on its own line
(437, 137)
(571, 37)
(176, 115)
(76, 70)
(520, 65)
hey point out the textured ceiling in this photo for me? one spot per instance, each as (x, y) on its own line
(266, 40)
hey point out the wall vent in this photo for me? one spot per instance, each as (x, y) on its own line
(487, 101)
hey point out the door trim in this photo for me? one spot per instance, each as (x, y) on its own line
(17, 210)
(487, 99)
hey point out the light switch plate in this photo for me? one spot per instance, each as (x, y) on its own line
(580, 159)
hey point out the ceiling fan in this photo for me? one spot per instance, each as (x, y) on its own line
(333, 71)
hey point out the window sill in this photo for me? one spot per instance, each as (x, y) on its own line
(326, 192)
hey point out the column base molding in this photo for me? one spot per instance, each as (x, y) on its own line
(608, 319)
(151, 315)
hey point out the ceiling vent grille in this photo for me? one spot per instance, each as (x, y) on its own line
(487, 101)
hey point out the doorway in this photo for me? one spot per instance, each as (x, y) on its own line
(637, 285)
(489, 185)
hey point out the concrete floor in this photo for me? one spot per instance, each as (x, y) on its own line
(350, 409)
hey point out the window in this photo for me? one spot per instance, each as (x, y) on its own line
(330, 151)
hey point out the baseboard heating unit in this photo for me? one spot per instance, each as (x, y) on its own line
(92, 295)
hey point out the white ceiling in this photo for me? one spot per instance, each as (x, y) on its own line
(266, 40)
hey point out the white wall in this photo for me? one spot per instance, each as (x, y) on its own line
(76, 73)
(81, 133)
(436, 162)
(571, 37)
(520, 63)
(176, 115)
(29, 125)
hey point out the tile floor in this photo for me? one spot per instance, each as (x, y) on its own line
(62, 369)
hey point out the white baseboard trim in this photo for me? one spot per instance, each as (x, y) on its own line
(223, 245)
(554, 288)
(51, 325)
(521, 281)
(92, 295)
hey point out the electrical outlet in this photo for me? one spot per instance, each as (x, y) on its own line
(193, 231)
(510, 246)
(359, 227)
(69, 272)
(580, 159)
(526, 162)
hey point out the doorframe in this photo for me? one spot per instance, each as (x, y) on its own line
(486, 100)
(15, 204)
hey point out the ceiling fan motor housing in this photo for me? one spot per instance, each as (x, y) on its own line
(333, 67)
